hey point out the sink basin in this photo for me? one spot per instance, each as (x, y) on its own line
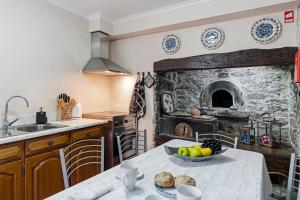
(37, 127)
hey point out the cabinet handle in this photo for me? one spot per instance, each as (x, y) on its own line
(88, 136)
(23, 168)
(50, 143)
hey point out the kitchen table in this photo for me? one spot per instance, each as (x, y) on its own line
(235, 175)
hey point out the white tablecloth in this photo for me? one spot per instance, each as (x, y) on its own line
(236, 175)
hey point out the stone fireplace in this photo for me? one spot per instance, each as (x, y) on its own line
(231, 94)
(221, 99)
(221, 94)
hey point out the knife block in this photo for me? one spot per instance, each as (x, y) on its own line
(64, 110)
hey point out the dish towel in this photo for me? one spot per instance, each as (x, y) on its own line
(137, 103)
(88, 193)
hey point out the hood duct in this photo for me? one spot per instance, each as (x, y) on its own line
(100, 62)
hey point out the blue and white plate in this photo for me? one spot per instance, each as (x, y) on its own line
(171, 44)
(168, 192)
(212, 38)
(266, 30)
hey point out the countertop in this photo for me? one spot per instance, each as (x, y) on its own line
(280, 151)
(106, 115)
(70, 125)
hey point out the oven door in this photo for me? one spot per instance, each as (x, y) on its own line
(123, 124)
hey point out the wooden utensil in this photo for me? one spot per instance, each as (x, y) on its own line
(64, 107)
(68, 109)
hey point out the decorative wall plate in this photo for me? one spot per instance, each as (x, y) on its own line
(266, 30)
(213, 38)
(171, 44)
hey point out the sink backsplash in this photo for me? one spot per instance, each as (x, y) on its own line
(27, 119)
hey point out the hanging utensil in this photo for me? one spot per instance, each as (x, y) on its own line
(149, 80)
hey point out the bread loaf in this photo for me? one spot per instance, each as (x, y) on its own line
(196, 112)
(184, 180)
(164, 179)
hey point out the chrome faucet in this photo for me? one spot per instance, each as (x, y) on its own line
(6, 123)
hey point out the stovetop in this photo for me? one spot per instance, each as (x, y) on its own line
(108, 115)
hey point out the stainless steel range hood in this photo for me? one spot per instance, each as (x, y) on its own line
(100, 62)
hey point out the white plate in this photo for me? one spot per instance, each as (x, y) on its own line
(152, 197)
(139, 176)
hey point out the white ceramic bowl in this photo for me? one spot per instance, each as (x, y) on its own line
(188, 192)
(152, 197)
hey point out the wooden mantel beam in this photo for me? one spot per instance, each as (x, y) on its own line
(242, 58)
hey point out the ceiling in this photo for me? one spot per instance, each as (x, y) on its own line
(118, 9)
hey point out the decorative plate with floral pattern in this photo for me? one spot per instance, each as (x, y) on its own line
(266, 30)
(171, 44)
(213, 38)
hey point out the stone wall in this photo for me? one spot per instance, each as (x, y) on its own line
(264, 89)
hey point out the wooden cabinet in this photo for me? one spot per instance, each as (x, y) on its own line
(31, 169)
(11, 152)
(11, 181)
(86, 171)
(87, 133)
(43, 175)
(277, 158)
(48, 143)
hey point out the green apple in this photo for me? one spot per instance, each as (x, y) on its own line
(195, 152)
(183, 151)
(197, 147)
(190, 149)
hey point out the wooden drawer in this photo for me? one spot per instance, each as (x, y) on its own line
(93, 132)
(46, 143)
(11, 152)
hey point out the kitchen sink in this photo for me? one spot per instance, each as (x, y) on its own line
(37, 127)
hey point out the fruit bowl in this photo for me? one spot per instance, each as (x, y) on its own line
(174, 151)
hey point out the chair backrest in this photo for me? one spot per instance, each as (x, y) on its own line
(294, 178)
(79, 154)
(131, 144)
(226, 140)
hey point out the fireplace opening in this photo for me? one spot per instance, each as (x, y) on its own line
(222, 98)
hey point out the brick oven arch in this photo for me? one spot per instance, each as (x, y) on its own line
(231, 88)
(222, 98)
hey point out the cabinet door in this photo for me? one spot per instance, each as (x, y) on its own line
(86, 171)
(11, 181)
(43, 176)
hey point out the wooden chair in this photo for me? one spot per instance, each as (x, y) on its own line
(226, 140)
(131, 144)
(294, 179)
(79, 154)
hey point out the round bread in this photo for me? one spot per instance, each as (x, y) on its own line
(184, 180)
(196, 112)
(164, 179)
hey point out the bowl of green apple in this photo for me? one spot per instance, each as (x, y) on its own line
(207, 150)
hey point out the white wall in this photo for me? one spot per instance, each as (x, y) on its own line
(192, 10)
(139, 53)
(43, 48)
